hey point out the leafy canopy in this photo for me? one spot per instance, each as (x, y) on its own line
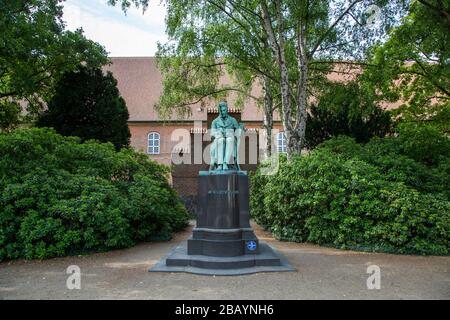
(286, 46)
(413, 65)
(35, 51)
(209, 38)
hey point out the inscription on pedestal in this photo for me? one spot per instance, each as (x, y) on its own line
(223, 226)
(223, 192)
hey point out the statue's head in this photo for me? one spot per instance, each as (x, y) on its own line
(223, 108)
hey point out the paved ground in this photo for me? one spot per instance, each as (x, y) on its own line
(322, 274)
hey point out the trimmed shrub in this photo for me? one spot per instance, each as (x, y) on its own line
(59, 196)
(375, 197)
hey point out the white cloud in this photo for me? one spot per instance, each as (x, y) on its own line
(133, 34)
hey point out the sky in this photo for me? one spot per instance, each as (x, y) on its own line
(131, 35)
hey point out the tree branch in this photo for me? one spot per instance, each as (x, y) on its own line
(208, 94)
(431, 78)
(245, 28)
(442, 12)
(321, 39)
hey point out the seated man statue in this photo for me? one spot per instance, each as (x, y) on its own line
(226, 132)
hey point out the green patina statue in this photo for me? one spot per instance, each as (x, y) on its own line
(227, 133)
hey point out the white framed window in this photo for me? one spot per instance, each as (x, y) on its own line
(154, 143)
(281, 142)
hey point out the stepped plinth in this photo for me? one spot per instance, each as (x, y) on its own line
(223, 242)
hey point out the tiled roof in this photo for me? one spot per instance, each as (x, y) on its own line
(140, 84)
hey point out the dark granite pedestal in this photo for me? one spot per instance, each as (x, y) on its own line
(223, 242)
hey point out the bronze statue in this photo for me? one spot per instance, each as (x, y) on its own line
(227, 133)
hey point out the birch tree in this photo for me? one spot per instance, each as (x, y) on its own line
(292, 43)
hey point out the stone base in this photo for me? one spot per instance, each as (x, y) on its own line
(222, 242)
(267, 260)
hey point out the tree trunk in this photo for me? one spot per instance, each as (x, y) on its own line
(278, 52)
(268, 116)
(302, 89)
(301, 112)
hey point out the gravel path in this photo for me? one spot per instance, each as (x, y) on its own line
(323, 273)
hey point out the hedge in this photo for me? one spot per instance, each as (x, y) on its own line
(60, 197)
(388, 195)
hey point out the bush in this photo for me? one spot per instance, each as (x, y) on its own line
(378, 197)
(59, 196)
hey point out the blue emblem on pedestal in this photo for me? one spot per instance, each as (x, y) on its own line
(251, 245)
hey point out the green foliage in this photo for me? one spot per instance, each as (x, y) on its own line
(413, 67)
(87, 104)
(35, 51)
(424, 144)
(59, 196)
(345, 109)
(382, 196)
(184, 83)
(125, 4)
(190, 64)
(9, 115)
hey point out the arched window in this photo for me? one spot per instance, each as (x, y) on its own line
(281, 142)
(153, 143)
